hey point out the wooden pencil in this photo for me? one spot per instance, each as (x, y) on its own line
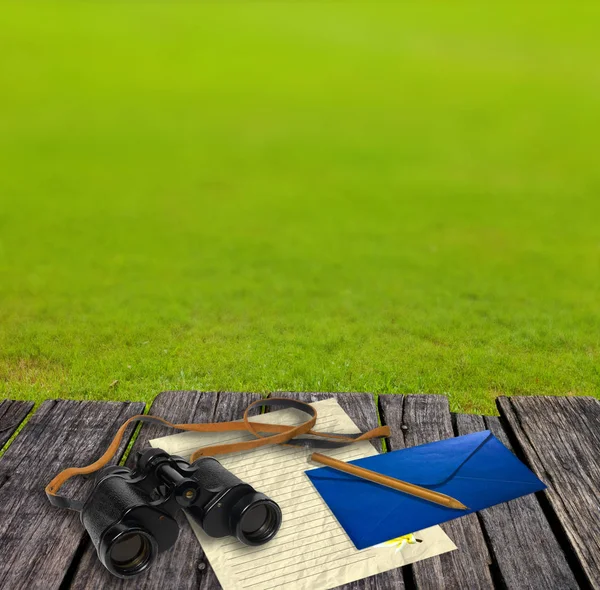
(390, 482)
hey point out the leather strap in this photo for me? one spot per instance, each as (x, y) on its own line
(277, 434)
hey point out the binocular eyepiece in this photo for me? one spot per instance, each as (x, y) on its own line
(130, 513)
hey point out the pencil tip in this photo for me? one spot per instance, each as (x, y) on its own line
(457, 505)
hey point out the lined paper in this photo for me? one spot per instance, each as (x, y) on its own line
(311, 550)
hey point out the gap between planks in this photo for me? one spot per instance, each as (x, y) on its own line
(13, 416)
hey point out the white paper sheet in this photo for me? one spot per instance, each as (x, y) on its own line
(311, 550)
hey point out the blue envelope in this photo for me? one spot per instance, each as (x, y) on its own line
(476, 469)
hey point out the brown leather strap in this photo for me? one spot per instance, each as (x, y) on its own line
(279, 434)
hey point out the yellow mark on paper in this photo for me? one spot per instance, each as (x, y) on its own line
(400, 542)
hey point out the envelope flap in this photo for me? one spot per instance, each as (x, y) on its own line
(431, 464)
(442, 459)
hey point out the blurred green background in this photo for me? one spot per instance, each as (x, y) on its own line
(318, 197)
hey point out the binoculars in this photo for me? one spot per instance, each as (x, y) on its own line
(130, 513)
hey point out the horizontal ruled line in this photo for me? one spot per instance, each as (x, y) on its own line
(280, 549)
(295, 556)
(320, 572)
(291, 533)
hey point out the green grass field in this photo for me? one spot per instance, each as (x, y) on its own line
(334, 197)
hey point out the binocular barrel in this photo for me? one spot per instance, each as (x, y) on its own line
(130, 514)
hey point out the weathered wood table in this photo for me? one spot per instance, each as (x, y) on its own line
(543, 541)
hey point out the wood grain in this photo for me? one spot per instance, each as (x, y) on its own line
(185, 565)
(361, 408)
(526, 553)
(39, 541)
(426, 418)
(560, 438)
(12, 413)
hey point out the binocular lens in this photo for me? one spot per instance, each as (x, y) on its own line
(258, 523)
(130, 553)
(254, 519)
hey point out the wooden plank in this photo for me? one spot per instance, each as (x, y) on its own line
(426, 418)
(361, 408)
(515, 528)
(37, 541)
(185, 565)
(560, 438)
(12, 413)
